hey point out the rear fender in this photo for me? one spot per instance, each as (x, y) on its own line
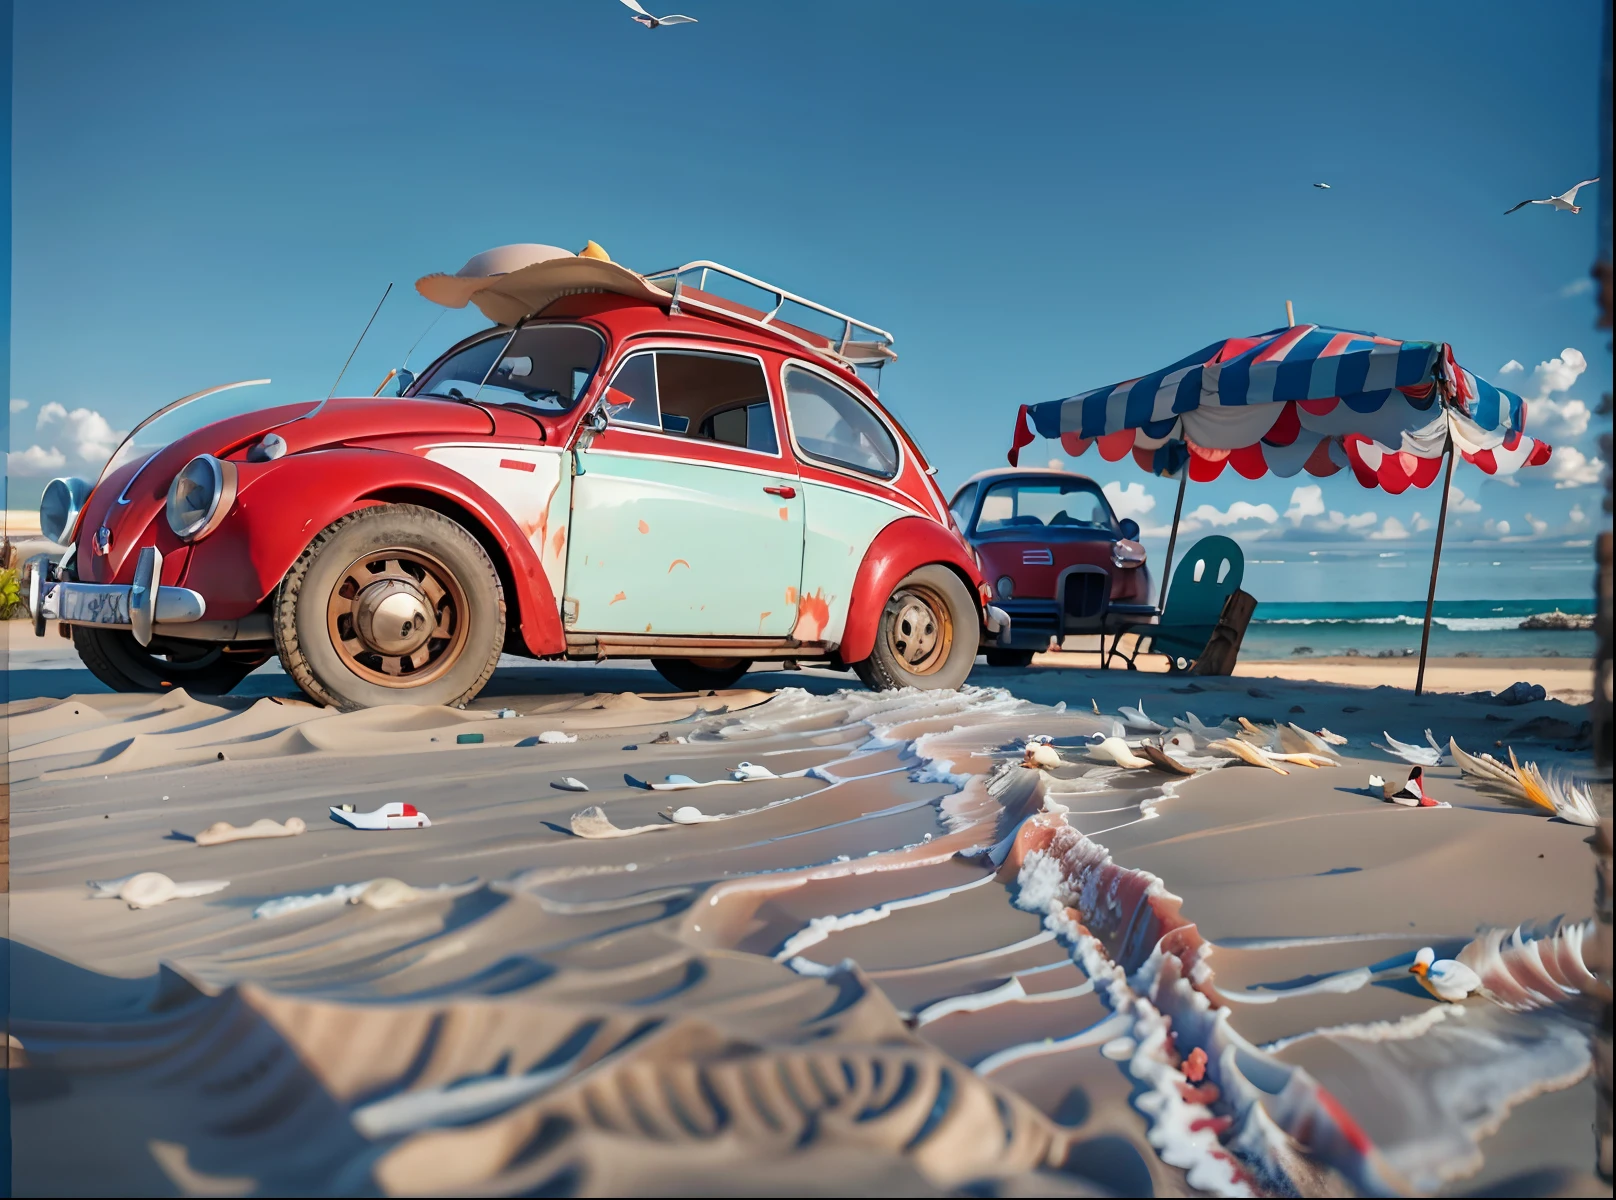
(903, 546)
(282, 505)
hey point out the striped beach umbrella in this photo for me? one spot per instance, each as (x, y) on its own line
(1301, 399)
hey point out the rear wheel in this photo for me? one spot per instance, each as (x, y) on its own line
(1009, 658)
(701, 675)
(927, 637)
(394, 604)
(201, 668)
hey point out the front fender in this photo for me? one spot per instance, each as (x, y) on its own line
(903, 546)
(282, 505)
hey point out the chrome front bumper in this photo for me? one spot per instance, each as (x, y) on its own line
(997, 623)
(138, 607)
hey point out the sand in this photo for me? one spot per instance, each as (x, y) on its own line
(848, 989)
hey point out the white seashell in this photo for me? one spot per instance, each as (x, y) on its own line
(556, 737)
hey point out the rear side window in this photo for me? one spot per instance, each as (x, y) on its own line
(750, 427)
(830, 425)
(705, 397)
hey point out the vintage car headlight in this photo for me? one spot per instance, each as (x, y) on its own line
(60, 506)
(1006, 587)
(200, 496)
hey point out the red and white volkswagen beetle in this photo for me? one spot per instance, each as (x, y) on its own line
(621, 466)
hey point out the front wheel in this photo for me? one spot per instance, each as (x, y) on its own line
(707, 675)
(928, 634)
(394, 604)
(201, 668)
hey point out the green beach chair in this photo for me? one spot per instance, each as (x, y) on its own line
(1210, 572)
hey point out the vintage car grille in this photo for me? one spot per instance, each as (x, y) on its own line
(1087, 593)
(1040, 557)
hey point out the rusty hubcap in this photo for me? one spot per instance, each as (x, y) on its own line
(398, 618)
(920, 633)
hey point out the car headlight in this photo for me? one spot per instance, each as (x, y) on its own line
(200, 496)
(60, 506)
(1006, 587)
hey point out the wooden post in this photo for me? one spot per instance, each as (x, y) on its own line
(1290, 314)
(1172, 538)
(1436, 561)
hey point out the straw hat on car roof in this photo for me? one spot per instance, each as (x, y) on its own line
(511, 283)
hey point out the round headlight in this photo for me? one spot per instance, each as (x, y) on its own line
(1006, 587)
(200, 496)
(60, 506)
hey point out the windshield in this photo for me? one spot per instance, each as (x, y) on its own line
(184, 417)
(545, 366)
(1074, 504)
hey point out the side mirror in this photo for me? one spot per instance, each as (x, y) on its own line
(405, 377)
(597, 421)
(1129, 528)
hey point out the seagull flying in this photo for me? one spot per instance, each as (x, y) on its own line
(1565, 202)
(650, 22)
(1325, 186)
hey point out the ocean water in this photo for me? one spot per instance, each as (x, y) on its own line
(1478, 628)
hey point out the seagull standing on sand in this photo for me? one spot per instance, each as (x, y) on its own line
(1565, 201)
(1444, 978)
(650, 22)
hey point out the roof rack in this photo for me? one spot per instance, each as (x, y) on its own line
(689, 285)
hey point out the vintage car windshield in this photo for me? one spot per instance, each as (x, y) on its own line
(183, 418)
(544, 366)
(1038, 506)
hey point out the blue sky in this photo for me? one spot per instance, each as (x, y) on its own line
(1036, 198)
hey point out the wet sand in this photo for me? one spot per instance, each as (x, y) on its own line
(846, 989)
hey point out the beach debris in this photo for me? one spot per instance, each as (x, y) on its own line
(1334, 739)
(554, 737)
(1444, 978)
(394, 815)
(505, 714)
(1516, 693)
(593, 822)
(1096, 705)
(1410, 793)
(1199, 728)
(666, 738)
(1115, 750)
(1293, 739)
(1135, 718)
(1038, 754)
(689, 814)
(569, 784)
(385, 893)
(1418, 755)
(380, 894)
(468, 739)
(1521, 971)
(1558, 793)
(147, 889)
(1160, 758)
(221, 832)
(1246, 752)
(744, 772)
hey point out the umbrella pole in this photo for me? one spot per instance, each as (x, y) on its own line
(1172, 538)
(1436, 560)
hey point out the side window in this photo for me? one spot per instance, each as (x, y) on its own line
(832, 426)
(750, 426)
(961, 508)
(631, 398)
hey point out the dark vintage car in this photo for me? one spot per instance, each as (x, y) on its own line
(1057, 558)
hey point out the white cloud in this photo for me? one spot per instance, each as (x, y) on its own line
(1577, 287)
(1240, 510)
(1306, 501)
(1418, 523)
(1357, 523)
(1558, 374)
(1057, 464)
(1562, 420)
(36, 460)
(17, 406)
(1512, 367)
(1570, 468)
(1557, 421)
(1538, 527)
(1131, 501)
(1391, 531)
(1576, 516)
(1460, 503)
(1497, 528)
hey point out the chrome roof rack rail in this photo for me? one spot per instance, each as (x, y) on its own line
(873, 350)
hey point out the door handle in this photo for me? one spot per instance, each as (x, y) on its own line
(785, 493)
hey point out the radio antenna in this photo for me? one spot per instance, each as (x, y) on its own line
(357, 344)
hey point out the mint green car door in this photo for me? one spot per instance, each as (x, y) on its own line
(675, 532)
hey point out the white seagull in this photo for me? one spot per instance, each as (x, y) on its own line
(1565, 202)
(650, 22)
(1324, 186)
(1445, 978)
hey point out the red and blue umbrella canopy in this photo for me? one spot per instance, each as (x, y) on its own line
(1303, 398)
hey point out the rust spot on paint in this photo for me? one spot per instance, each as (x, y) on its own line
(785, 514)
(762, 617)
(616, 598)
(678, 562)
(791, 596)
(647, 628)
(813, 614)
(644, 528)
(558, 540)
